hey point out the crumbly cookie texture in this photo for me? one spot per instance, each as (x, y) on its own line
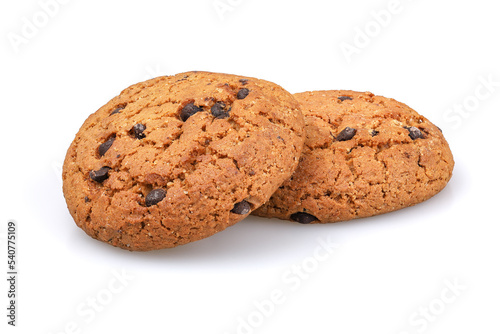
(364, 155)
(176, 159)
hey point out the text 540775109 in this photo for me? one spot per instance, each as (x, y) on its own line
(11, 273)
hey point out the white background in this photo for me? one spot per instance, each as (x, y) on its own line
(432, 268)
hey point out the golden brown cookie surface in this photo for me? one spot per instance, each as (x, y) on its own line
(176, 159)
(364, 155)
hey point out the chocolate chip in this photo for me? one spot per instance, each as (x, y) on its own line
(414, 132)
(99, 175)
(86, 199)
(241, 208)
(374, 133)
(303, 217)
(343, 98)
(104, 147)
(244, 81)
(242, 93)
(189, 110)
(155, 196)
(138, 130)
(346, 134)
(117, 110)
(219, 110)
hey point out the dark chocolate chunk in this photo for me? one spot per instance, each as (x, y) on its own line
(346, 134)
(138, 131)
(117, 110)
(86, 199)
(104, 147)
(189, 110)
(155, 196)
(414, 132)
(99, 175)
(343, 98)
(303, 217)
(219, 110)
(244, 81)
(374, 133)
(183, 78)
(242, 93)
(241, 208)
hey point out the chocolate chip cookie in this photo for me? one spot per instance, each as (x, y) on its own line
(364, 155)
(176, 159)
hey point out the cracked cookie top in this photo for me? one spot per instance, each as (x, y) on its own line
(364, 155)
(176, 159)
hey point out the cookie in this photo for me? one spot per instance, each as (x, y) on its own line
(364, 155)
(176, 159)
